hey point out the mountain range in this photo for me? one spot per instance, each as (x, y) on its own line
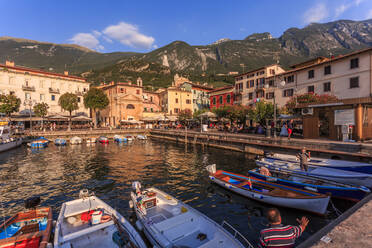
(205, 63)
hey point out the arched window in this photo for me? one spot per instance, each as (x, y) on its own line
(130, 106)
(228, 98)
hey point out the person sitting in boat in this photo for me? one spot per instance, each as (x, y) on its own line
(264, 171)
(304, 157)
(279, 235)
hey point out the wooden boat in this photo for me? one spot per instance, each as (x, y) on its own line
(329, 163)
(269, 192)
(76, 140)
(120, 139)
(30, 228)
(168, 222)
(90, 222)
(348, 177)
(41, 142)
(103, 140)
(60, 142)
(323, 186)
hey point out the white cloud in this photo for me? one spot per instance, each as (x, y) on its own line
(96, 33)
(316, 13)
(107, 39)
(129, 35)
(155, 46)
(369, 14)
(87, 40)
(341, 9)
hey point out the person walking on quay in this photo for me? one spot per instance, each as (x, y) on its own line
(279, 235)
(304, 156)
(290, 129)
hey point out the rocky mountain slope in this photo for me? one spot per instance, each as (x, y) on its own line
(202, 63)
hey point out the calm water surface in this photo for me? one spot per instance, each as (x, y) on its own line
(57, 174)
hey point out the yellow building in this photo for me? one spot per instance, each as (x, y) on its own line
(174, 100)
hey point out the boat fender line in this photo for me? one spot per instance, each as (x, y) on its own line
(365, 189)
(139, 225)
(131, 205)
(311, 189)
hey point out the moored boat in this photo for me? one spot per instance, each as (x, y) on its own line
(120, 139)
(7, 142)
(168, 222)
(41, 142)
(30, 228)
(329, 163)
(268, 192)
(323, 186)
(60, 142)
(103, 140)
(141, 137)
(348, 177)
(76, 140)
(90, 222)
(91, 141)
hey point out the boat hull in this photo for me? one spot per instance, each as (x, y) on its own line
(10, 145)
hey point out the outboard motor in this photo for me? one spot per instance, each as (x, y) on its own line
(84, 193)
(32, 202)
(136, 187)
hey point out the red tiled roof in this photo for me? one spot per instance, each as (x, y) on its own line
(19, 68)
(222, 88)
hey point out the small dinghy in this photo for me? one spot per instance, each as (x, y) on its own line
(323, 186)
(90, 222)
(269, 192)
(39, 143)
(60, 142)
(348, 177)
(120, 139)
(91, 141)
(76, 140)
(30, 228)
(329, 163)
(168, 222)
(129, 137)
(103, 140)
(141, 137)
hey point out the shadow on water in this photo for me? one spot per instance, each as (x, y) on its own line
(57, 174)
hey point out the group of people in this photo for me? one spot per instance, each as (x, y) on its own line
(287, 129)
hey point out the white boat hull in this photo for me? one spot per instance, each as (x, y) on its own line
(315, 205)
(10, 145)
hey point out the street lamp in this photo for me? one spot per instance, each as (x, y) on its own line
(29, 103)
(267, 86)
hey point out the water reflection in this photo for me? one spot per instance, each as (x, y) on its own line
(58, 173)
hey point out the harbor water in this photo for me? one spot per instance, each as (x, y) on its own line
(57, 174)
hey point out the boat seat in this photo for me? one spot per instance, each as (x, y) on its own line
(86, 231)
(175, 221)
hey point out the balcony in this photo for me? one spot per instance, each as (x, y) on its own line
(28, 88)
(54, 91)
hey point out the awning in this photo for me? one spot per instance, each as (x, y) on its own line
(81, 118)
(24, 118)
(134, 122)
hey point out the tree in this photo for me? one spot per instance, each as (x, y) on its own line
(41, 110)
(184, 115)
(233, 113)
(198, 112)
(261, 112)
(9, 104)
(95, 99)
(69, 102)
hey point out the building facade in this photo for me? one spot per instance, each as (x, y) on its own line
(200, 95)
(126, 103)
(175, 99)
(250, 86)
(151, 101)
(221, 97)
(36, 86)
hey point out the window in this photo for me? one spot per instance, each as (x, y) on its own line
(214, 100)
(145, 109)
(290, 79)
(27, 96)
(194, 100)
(188, 101)
(42, 97)
(272, 71)
(310, 89)
(271, 83)
(176, 110)
(354, 63)
(260, 94)
(288, 93)
(221, 99)
(121, 90)
(78, 99)
(247, 84)
(327, 87)
(130, 106)
(228, 98)
(53, 97)
(138, 92)
(26, 83)
(270, 95)
(11, 93)
(152, 110)
(311, 74)
(327, 70)
(251, 83)
(250, 96)
(176, 100)
(354, 82)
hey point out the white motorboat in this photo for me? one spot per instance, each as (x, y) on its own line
(329, 163)
(348, 177)
(76, 140)
(90, 222)
(6, 141)
(168, 222)
(91, 141)
(141, 137)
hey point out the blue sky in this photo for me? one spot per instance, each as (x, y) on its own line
(141, 26)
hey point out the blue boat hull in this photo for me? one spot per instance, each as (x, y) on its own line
(347, 193)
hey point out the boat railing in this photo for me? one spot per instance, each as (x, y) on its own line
(237, 235)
